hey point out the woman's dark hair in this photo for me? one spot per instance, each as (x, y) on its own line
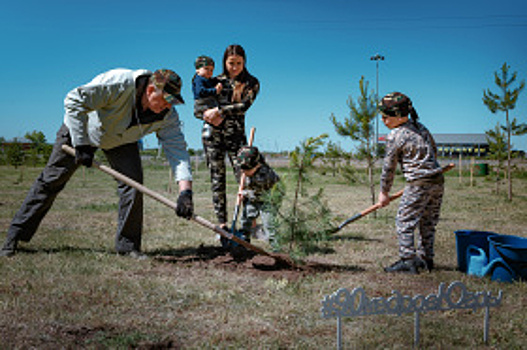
(413, 115)
(238, 51)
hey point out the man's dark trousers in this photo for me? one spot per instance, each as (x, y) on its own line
(59, 169)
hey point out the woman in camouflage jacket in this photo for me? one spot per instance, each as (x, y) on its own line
(227, 134)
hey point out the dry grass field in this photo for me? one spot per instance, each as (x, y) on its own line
(68, 289)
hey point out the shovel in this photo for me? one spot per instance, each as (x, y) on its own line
(377, 205)
(198, 219)
(238, 197)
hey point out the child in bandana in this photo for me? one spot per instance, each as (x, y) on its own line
(411, 145)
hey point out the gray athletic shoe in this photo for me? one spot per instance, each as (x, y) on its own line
(404, 266)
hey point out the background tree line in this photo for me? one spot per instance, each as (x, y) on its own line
(358, 126)
(33, 150)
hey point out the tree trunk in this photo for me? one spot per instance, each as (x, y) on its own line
(498, 180)
(295, 203)
(372, 184)
(509, 151)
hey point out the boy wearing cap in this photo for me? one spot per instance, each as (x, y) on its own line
(411, 145)
(203, 84)
(112, 112)
(205, 89)
(260, 179)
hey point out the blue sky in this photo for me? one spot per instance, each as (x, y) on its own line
(308, 55)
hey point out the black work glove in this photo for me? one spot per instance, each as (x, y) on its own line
(185, 206)
(84, 155)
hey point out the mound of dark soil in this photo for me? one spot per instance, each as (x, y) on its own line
(241, 259)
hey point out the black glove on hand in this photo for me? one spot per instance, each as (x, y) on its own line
(84, 155)
(185, 206)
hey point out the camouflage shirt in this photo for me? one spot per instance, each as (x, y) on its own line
(263, 180)
(414, 148)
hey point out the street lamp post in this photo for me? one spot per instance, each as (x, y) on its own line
(377, 58)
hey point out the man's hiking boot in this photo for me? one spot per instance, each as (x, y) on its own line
(404, 266)
(424, 263)
(9, 248)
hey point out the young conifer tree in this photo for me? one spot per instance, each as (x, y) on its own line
(497, 150)
(303, 220)
(360, 127)
(505, 101)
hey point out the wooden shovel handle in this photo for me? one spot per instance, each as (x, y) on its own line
(378, 206)
(203, 222)
(242, 177)
(400, 192)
